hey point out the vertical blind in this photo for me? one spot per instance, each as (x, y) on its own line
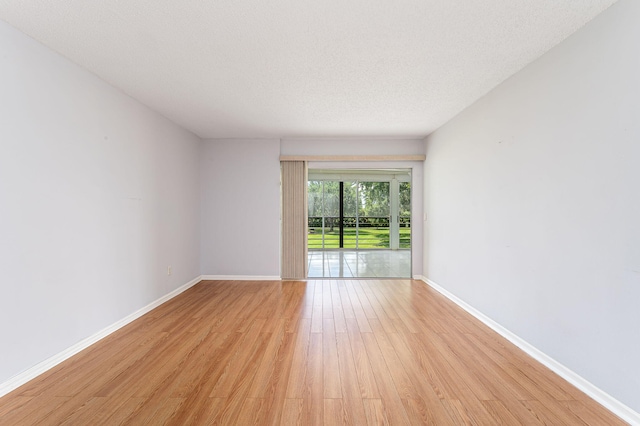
(294, 219)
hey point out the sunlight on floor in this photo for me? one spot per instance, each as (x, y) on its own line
(359, 264)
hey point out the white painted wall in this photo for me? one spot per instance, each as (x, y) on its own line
(240, 207)
(351, 146)
(241, 177)
(373, 147)
(533, 203)
(98, 195)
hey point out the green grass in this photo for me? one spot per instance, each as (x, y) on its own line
(367, 238)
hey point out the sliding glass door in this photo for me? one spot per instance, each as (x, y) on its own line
(359, 223)
(357, 215)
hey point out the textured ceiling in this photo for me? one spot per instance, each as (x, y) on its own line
(301, 68)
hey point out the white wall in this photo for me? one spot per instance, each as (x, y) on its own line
(373, 147)
(241, 177)
(98, 195)
(352, 146)
(241, 207)
(533, 203)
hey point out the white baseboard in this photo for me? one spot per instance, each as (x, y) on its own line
(36, 370)
(240, 278)
(618, 408)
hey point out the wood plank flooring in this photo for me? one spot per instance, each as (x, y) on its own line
(333, 352)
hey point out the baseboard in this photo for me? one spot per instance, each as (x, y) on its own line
(240, 278)
(618, 408)
(33, 372)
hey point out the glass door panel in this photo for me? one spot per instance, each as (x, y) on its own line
(405, 215)
(331, 213)
(316, 220)
(373, 215)
(350, 214)
(323, 226)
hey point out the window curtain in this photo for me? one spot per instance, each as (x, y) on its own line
(294, 219)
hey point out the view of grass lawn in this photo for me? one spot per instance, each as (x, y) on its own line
(367, 238)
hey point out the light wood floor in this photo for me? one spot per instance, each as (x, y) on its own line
(317, 352)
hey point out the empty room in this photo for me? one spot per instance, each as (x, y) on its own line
(356, 212)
